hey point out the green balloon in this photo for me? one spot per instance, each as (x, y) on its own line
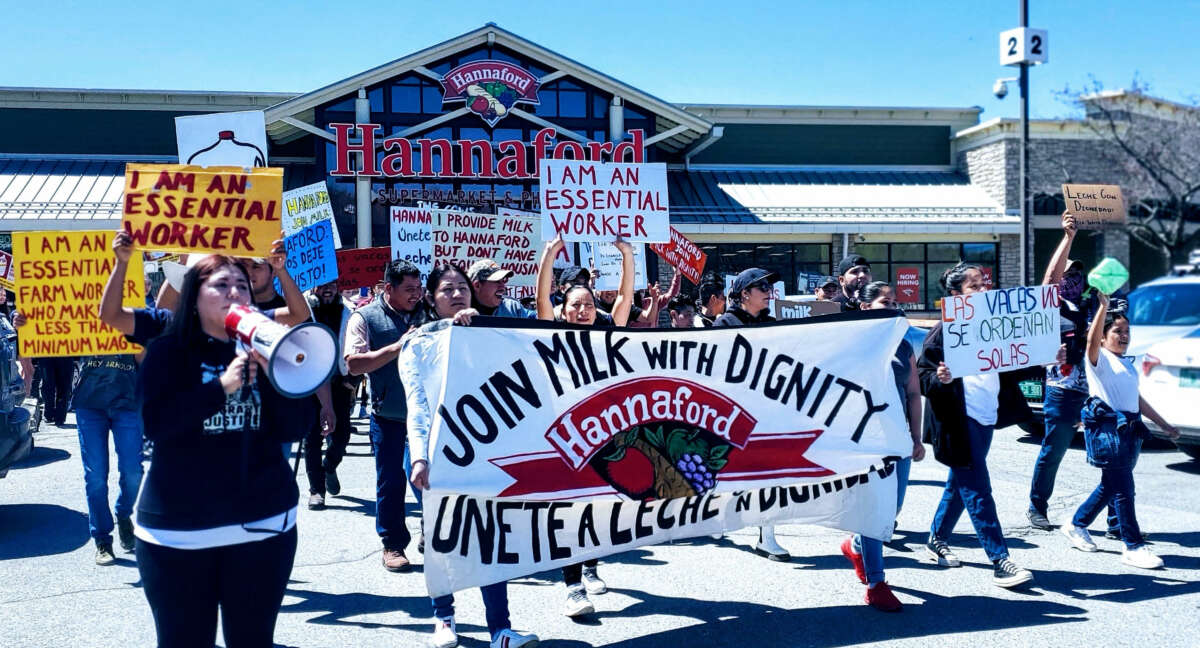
(1108, 276)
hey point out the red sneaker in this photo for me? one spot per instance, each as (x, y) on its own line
(881, 598)
(855, 559)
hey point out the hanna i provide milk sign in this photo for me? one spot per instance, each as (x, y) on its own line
(1000, 330)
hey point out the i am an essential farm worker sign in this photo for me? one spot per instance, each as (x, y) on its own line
(60, 279)
(219, 210)
(595, 201)
(1000, 330)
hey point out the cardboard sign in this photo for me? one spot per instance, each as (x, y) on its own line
(60, 279)
(509, 238)
(8, 274)
(595, 201)
(792, 309)
(223, 139)
(362, 267)
(683, 255)
(908, 285)
(606, 260)
(219, 210)
(311, 258)
(307, 205)
(412, 237)
(1000, 330)
(1095, 206)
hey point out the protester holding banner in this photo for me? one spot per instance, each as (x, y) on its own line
(865, 553)
(333, 311)
(490, 294)
(230, 543)
(450, 294)
(960, 418)
(853, 273)
(1113, 433)
(751, 292)
(372, 343)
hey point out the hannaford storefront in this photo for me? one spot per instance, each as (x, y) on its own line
(464, 123)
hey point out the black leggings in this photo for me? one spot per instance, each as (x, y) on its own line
(573, 574)
(186, 586)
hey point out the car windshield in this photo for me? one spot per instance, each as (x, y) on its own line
(1165, 305)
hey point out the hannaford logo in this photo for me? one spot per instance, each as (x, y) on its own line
(490, 88)
(654, 438)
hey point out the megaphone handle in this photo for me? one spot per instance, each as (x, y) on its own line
(245, 394)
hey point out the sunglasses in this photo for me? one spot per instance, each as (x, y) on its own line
(761, 285)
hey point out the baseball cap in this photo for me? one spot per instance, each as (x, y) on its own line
(1074, 263)
(827, 282)
(575, 274)
(851, 261)
(488, 270)
(751, 276)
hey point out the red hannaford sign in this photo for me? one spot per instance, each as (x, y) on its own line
(490, 88)
(684, 255)
(908, 285)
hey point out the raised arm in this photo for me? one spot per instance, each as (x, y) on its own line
(296, 310)
(624, 301)
(545, 278)
(1096, 330)
(112, 310)
(1058, 262)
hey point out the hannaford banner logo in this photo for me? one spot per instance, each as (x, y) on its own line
(655, 438)
(490, 88)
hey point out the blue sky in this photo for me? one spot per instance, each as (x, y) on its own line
(852, 52)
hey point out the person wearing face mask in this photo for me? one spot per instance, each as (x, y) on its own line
(751, 293)
(215, 524)
(1113, 433)
(853, 273)
(960, 417)
(449, 296)
(332, 310)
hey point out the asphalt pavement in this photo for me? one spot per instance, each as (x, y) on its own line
(698, 593)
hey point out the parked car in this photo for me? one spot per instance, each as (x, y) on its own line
(16, 440)
(1171, 385)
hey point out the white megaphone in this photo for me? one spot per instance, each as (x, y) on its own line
(299, 358)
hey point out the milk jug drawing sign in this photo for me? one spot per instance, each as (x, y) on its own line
(223, 139)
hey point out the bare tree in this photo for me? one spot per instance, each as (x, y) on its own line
(1154, 145)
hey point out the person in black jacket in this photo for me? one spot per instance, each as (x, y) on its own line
(215, 523)
(959, 420)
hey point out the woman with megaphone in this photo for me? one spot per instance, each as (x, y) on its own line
(216, 518)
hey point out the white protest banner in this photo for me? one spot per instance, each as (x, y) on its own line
(411, 232)
(596, 201)
(576, 444)
(606, 259)
(508, 237)
(223, 139)
(305, 206)
(1000, 330)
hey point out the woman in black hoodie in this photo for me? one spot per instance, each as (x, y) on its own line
(216, 518)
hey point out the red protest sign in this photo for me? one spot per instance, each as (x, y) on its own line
(908, 285)
(986, 271)
(362, 267)
(683, 255)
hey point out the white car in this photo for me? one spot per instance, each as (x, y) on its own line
(1171, 385)
(1164, 309)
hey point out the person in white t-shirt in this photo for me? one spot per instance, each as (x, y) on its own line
(1113, 433)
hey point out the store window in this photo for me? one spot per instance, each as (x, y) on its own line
(896, 263)
(796, 263)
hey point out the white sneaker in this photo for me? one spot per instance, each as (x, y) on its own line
(768, 547)
(444, 635)
(592, 581)
(1080, 538)
(508, 638)
(1141, 557)
(578, 602)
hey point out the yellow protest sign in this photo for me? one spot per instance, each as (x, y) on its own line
(60, 278)
(218, 210)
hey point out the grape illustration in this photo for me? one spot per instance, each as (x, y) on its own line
(696, 472)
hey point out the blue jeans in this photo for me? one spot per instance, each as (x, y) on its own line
(1116, 488)
(495, 606)
(94, 426)
(872, 549)
(1061, 411)
(970, 488)
(389, 439)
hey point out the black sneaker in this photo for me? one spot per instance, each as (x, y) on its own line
(940, 552)
(1039, 521)
(1006, 574)
(125, 533)
(332, 485)
(104, 553)
(316, 502)
(1115, 534)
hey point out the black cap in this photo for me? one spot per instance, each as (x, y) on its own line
(752, 276)
(827, 282)
(851, 261)
(574, 275)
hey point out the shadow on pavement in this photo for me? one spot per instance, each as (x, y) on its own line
(1190, 466)
(338, 608)
(358, 504)
(42, 456)
(40, 530)
(1117, 588)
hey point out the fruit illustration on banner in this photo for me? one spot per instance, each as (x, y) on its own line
(662, 461)
(490, 88)
(490, 101)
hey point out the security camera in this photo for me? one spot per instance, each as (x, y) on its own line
(1000, 89)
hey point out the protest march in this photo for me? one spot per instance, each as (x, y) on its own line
(510, 331)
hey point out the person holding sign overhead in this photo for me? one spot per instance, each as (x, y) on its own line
(1113, 433)
(959, 419)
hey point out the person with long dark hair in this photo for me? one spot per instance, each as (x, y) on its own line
(448, 295)
(216, 518)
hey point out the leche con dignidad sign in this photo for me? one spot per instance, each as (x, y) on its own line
(1000, 330)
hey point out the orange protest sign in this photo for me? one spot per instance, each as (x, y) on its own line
(219, 210)
(60, 278)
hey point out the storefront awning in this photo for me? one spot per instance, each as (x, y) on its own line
(835, 202)
(38, 194)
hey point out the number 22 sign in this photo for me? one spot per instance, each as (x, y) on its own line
(1024, 45)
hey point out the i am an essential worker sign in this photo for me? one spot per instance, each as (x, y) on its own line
(1000, 330)
(595, 201)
